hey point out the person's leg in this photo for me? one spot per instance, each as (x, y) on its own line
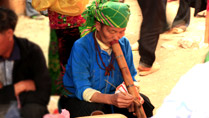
(163, 20)
(53, 62)
(30, 11)
(147, 47)
(33, 110)
(66, 39)
(182, 18)
(13, 111)
(166, 26)
(3, 109)
(151, 27)
(61, 42)
(79, 108)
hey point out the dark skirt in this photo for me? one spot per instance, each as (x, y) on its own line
(61, 42)
(78, 108)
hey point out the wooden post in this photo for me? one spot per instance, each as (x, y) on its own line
(206, 40)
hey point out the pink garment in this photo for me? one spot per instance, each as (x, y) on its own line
(65, 114)
(59, 21)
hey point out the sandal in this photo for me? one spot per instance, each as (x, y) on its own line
(178, 30)
(143, 71)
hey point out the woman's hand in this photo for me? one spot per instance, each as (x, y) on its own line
(136, 103)
(121, 100)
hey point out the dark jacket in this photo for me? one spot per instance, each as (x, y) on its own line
(31, 65)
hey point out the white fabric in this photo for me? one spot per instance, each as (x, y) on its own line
(6, 68)
(88, 93)
(190, 97)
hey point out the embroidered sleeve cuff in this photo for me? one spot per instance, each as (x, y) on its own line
(88, 93)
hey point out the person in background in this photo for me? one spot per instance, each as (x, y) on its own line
(183, 16)
(92, 63)
(182, 19)
(33, 13)
(64, 31)
(25, 83)
(153, 14)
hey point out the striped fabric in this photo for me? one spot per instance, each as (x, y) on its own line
(111, 13)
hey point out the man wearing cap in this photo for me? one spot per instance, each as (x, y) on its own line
(24, 79)
(92, 63)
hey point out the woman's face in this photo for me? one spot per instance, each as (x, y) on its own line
(107, 34)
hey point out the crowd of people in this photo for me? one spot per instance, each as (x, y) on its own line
(81, 59)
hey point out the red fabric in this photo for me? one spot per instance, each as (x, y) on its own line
(59, 21)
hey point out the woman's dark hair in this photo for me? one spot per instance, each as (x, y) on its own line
(8, 19)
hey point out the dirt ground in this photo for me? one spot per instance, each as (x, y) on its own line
(174, 60)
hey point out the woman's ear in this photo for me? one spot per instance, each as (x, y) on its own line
(9, 34)
(98, 26)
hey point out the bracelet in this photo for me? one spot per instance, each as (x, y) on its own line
(118, 56)
(130, 85)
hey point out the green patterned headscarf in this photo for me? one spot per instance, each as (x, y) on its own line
(111, 13)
